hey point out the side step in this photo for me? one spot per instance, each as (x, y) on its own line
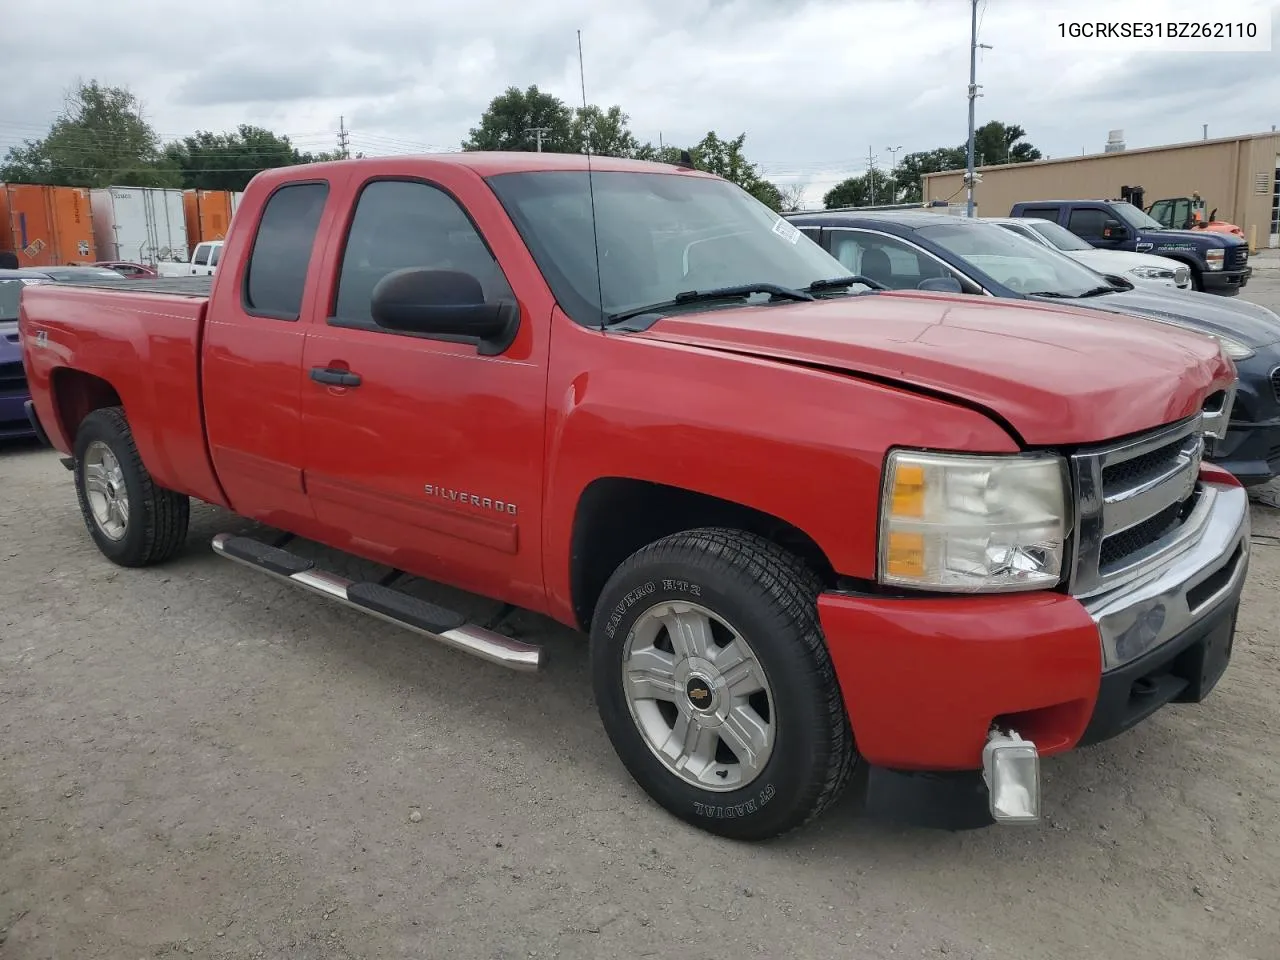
(383, 602)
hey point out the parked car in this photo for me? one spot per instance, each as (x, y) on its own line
(14, 394)
(1219, 262)
(1143, 270)
(806, 525)
(130, 271)
(903, 250)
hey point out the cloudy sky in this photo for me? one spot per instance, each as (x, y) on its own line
(813, 83)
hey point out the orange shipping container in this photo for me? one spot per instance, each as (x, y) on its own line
(207, 213)
(46, 226)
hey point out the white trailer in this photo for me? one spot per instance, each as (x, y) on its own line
(144, 225)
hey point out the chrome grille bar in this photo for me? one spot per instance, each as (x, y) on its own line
(1143, 490)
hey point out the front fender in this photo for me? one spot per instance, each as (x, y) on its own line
(803, 445)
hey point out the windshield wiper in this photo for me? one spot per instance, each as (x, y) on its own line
(1095, 292)
(737, 292)
(836, 283)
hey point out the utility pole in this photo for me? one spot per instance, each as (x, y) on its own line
(973, 96)
(344, 139)
(871, 175)
(538, 132)
(893, 170)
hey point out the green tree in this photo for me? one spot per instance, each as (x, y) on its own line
(727, 158)
(99, 139)
(604, 131)
(853, 192)
(912, 168)
(228, 161)
(512, 117)
(997, 143)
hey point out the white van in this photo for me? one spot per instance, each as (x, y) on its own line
(204, 259)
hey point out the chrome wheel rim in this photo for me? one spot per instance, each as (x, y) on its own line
(105, 490)
(699, 696)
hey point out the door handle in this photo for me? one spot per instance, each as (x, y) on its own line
(334, 377)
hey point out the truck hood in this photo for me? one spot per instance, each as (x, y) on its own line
(1055, 375)
(1187, 239)
(1252, 325)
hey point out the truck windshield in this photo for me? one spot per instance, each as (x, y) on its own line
(1015, 261)
(659, 234)
(1134, 217)
(1059, 236)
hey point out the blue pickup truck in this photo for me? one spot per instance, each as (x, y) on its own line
(1219, 262)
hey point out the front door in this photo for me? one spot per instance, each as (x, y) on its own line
(432, 463)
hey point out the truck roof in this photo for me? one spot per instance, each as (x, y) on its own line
(486, 164)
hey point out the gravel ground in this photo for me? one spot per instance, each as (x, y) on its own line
(197, 761)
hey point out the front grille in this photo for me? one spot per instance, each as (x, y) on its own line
(1238, 256)
(13, 379)
(1135, 496)
(1132, 473)
(1275, 383)
(1119, 546)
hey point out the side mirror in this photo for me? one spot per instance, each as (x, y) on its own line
(1114, 230)
(444, 303)
(941, 285)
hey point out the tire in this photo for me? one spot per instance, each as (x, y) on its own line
(739, 584)
(154, 524)
(1197, 281)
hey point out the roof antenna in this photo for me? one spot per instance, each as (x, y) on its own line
(591, 190)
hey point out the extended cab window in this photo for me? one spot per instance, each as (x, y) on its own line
(213, 256)
(399, 224)
(277, 271)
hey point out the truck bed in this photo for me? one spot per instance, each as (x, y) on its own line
(174, 286)
(132, 342)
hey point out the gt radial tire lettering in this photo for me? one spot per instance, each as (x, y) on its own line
(734, 810)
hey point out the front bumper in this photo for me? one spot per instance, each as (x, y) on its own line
(1250, 451)
(924, 680)
(1225, 281)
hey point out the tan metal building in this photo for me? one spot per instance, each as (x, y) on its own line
(1237, 175)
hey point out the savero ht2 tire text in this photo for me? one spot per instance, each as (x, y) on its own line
(715, 686)
(134, 522)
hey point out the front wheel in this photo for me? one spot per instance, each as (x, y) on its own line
(715, 686)
(1197, 281)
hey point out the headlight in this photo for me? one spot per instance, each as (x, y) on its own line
(1233, 348)
(1215, 258)
(972, 524)
(1152, 273)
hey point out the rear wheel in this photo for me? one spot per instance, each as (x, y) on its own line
(714, 683)
(134, 522)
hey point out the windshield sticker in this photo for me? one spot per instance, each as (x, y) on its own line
(786, 231)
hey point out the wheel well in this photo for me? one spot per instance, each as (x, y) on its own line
(77, 394)
(617, 516)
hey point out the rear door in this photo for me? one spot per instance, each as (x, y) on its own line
(253, 346)
(433, 462)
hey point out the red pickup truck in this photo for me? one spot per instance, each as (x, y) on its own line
(809, 525)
